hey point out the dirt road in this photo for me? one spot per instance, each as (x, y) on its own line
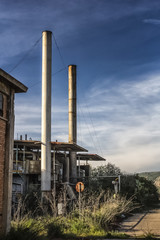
(141, 224)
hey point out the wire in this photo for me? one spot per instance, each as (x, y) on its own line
(94, 129)
(30, 50)
(79, 129)
(88, 129)
(24, 57)
(62, 59)
(62, 69)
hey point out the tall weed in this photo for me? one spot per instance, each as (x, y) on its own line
(95, 218)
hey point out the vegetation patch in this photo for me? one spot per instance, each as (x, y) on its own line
(97, 217)
(94, 220)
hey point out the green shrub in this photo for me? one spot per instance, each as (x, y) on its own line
(20, 233)
(143, 190)
(146, 192)
(54, 230)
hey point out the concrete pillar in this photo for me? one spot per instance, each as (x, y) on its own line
(72, 95)
(73, 166)
(46, 111)
(66, 169)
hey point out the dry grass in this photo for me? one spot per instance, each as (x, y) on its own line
(96, 217)
(104, 209)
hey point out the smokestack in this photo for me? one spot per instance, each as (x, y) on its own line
(72, 103)
(46, 111)
(72, 119)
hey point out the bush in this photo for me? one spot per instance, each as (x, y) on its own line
(20, 233)
(54, 229)
(146, 192)
(143, 190)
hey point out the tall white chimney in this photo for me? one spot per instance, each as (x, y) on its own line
(72, 95)
(46, 111)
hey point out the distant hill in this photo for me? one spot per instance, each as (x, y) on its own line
(150, 175)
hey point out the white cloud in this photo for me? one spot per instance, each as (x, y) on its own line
(28, 119)
(121, 122)
(152, 21)
(126, 119)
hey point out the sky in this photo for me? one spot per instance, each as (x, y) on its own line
(115, 45)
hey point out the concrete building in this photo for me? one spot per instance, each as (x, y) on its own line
(8, 87)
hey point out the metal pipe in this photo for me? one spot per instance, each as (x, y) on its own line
(25, 136)
(66, 169)
(72, 95)
(54, 179)
(17, 157)
(24, 159)
(79, 167)
(46, 111)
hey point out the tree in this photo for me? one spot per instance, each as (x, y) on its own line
(142, 190)
(107, 170)
(102, 177)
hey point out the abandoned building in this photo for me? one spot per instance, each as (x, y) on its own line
(27, 165)
(42, 165)
(8, 87)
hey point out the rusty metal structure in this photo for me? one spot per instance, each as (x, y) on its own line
(27, 165)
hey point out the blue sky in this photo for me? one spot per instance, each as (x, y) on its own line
(115, 45)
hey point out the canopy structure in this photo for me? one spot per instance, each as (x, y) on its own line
(57, 146)
(90, 157)
(63, 146)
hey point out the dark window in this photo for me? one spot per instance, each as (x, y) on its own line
(1, 105)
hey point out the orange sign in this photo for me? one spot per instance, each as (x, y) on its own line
(79, 187)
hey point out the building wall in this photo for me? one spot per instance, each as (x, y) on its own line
(3, 123)
(6, 156)
(2, 159)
